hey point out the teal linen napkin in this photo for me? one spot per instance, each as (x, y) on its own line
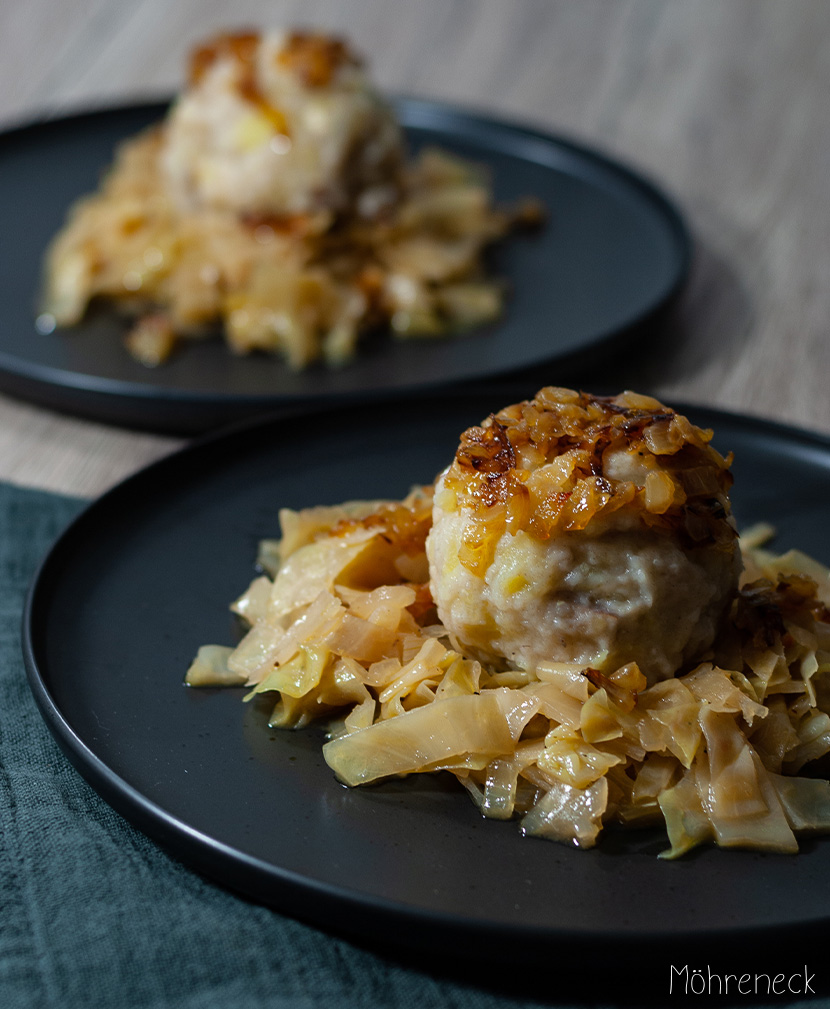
(94, 914)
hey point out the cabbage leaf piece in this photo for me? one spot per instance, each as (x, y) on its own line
(432, 736)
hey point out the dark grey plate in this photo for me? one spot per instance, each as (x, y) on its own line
(613, 254)
(145, 576)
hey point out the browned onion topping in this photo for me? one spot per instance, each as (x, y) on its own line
(544, 465)
(315, 59)
(405, 524)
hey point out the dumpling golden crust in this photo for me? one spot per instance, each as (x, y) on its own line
(585, 529)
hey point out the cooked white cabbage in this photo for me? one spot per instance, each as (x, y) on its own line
(346, 627)
(566, 749)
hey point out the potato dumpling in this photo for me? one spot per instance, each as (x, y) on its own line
(281, 124)
(585, 529)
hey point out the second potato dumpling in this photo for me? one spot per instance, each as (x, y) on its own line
(585, 529)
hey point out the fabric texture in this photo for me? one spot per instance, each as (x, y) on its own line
(93, 914)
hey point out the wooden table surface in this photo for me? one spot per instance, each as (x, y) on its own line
(724, 102)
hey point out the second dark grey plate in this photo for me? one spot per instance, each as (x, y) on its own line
(145, 576)
(613, 253)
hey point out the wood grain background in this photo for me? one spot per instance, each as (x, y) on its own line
(723, 102)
